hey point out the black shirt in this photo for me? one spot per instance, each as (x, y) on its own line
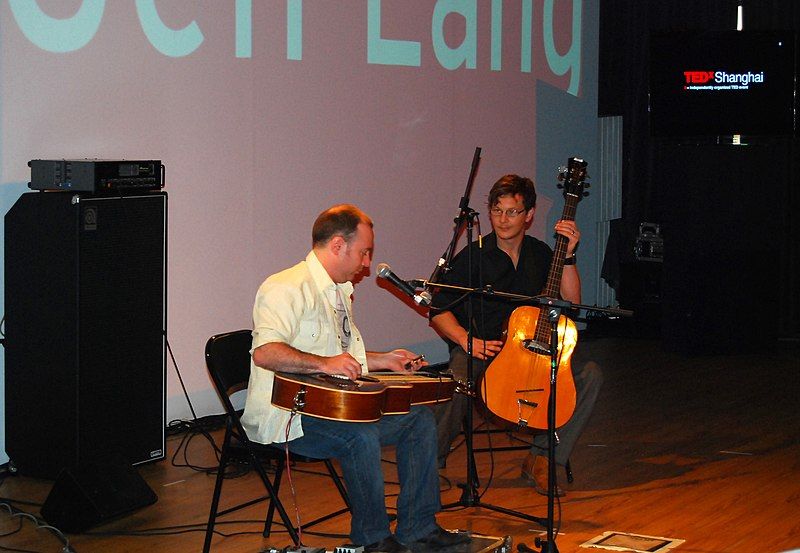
(492, 266)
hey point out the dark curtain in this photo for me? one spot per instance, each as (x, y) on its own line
(650, 165)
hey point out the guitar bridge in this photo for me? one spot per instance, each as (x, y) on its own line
(522, 423)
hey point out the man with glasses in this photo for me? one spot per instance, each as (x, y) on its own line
(509, 261)
(303, 323)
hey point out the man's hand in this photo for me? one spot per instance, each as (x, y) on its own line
(569, 230)
(398, 360)
(483, 349)
(343, 364)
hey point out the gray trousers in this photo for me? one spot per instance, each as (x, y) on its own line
(450, 416)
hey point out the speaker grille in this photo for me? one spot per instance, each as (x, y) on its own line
(86, 329)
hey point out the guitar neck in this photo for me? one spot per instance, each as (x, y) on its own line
(552, 288)
(553, 285)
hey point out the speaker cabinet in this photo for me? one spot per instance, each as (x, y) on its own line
(85, 302)
(95, 493)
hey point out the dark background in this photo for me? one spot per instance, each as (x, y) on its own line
(728, 213)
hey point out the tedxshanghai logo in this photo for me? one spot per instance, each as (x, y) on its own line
(720, 80)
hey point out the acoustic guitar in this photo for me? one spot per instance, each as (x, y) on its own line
(365, 399)
(516, 385)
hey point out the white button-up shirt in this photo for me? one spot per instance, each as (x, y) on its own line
(295, 307)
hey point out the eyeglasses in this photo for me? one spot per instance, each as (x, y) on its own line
(510, 213)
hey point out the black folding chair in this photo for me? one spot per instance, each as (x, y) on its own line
(228, 363)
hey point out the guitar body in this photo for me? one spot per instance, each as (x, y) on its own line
(516, 385)
(426, 388)
(328, 397)
(366, 399)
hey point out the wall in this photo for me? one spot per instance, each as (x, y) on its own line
(266, 113)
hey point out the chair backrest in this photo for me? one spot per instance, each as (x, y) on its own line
(228, 363)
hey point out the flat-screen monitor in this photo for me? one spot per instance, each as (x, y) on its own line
(719, 83)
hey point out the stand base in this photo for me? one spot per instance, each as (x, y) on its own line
(470, 498)
(546, 546)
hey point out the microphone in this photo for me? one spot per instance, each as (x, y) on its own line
(384, 271)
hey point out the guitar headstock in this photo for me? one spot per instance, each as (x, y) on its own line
(572, 178)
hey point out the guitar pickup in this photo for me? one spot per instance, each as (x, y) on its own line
(536, 346)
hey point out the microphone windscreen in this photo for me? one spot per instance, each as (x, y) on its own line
(383, 270)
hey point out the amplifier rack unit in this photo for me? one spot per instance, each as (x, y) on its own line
(96, 175)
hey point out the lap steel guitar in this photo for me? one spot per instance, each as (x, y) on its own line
(365, 399)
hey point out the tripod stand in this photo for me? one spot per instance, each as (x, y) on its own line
(470, 496)
(519, 398)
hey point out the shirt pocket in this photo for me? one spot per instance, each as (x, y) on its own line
(310, 330)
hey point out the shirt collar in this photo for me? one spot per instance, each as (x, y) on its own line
(490, 242)
(321, 277)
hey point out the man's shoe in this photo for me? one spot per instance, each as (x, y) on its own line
(439, 539)
(389, 544)
(534, 469)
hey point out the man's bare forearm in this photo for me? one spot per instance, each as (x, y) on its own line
(278, 356)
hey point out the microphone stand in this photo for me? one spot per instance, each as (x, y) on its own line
(465, 219)
(554, 309)
(465, 214)
(469, 495)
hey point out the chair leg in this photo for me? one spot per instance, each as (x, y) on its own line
(276, 483)
(212, 515)
(338, 482)
(273, 493)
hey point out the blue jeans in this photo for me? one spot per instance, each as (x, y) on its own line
(357, 447)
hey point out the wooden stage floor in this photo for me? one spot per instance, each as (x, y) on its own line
(702, 449)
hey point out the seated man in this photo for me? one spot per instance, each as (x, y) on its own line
(303, 323)
(514, 262)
